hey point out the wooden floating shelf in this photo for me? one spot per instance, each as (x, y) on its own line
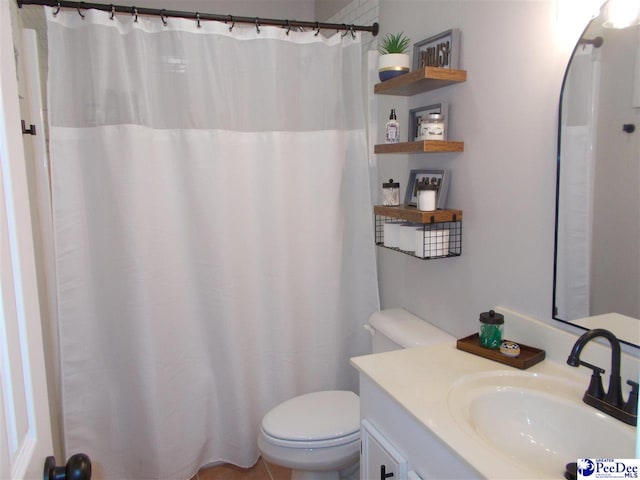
(422, 146)
(412, 214)
(421, 80)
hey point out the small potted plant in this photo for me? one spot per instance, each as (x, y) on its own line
(393, 60)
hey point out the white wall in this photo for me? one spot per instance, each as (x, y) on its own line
(328, 8)
(504, 182)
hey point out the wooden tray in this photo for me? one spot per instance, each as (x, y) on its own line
(528, 357)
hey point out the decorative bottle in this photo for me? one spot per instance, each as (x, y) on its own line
(392, 129)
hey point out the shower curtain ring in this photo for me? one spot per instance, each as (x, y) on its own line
(113, 11)
(135, 14)
(233, 22)
(79, 12)
(198, 19)
(317, 30)
(288, 25)
(257, 25)
(163, 17)
(353, 32)
(346, 30)
(57, 10)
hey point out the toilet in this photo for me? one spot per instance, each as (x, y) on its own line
(317, 435)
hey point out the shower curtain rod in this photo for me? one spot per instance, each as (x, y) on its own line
(257, 21)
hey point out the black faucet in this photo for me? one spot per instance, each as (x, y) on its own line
(610, 402)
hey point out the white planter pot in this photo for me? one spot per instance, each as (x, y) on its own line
(392, 65)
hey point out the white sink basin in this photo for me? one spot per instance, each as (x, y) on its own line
(536, 420)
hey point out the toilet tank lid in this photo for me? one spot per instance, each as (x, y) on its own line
(406, 329)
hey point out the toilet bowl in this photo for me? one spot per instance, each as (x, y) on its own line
(317, 435)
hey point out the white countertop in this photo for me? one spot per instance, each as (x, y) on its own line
(420, 379)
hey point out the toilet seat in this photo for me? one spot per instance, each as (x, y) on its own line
(314, 420)
(332, 442)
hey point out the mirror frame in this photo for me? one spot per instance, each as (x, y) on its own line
(558, 165)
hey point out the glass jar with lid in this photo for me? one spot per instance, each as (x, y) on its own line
(491, 328)
(391, 193)
(433, 127)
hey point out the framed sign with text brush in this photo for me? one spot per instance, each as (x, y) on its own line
(442, 50)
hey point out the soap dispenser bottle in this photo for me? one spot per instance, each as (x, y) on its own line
(392, 129)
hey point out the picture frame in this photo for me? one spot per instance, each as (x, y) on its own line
(417, 114)
(442, 179)
(442, 50)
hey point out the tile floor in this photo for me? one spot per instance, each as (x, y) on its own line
(260, 471)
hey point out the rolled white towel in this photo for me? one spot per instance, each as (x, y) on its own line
(392, 234)
(407, 237)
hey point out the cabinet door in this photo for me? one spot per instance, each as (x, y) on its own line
(380, 460)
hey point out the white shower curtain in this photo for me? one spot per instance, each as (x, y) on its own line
(213, 239)
(579, 124)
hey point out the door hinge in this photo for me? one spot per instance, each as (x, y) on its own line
(31, 130)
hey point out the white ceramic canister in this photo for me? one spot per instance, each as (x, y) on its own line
(426, 197)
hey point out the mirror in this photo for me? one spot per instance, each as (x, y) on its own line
(597, 250)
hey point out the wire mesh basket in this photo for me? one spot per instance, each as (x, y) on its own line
(426, 241)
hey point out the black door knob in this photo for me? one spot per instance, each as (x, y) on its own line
(628, 128)
(77, 468)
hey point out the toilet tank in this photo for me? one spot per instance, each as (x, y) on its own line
(395, 328)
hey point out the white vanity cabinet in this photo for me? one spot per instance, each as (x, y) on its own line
(406, 444)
